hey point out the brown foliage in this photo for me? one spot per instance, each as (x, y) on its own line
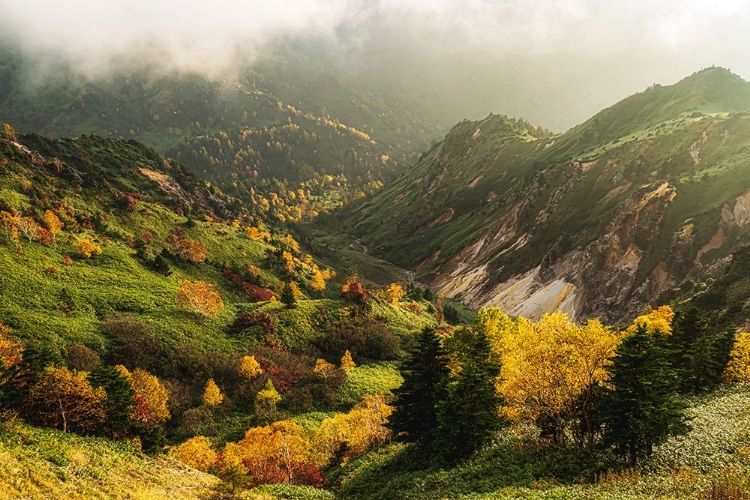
(65, 399)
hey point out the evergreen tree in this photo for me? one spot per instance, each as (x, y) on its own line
(34, 359)
(414, 417)
(120, 398)
(468, 417)
(160, 264)
(287, 296)
(698, 356)
(642, 411)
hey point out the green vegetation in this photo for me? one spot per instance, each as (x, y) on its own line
(173, 311)
(39, 463)
(499, 197)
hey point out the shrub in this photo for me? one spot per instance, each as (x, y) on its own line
(88, 248)
(363, 337)
(81, 357)
(200, 298)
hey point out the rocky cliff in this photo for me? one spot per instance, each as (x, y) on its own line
(599, 221)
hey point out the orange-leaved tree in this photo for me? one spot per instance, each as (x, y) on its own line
(53, 223)
(275, 453)
(65, 399)
(200, 298)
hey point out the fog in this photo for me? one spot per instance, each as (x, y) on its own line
(554, 62)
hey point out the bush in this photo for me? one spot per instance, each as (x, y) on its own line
(364, 337)
(132, 343)
(81, 358)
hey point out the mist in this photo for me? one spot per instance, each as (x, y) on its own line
(554, 62)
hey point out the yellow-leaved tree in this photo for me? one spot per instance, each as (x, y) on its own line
(347, 363)
(658, 320)
(738, 368)
(249, 368)
(196, 452)
(394, 293)
(266, 400)
(317, 282)
(212, 395)
(88, 248)
(324, 369)
(200, 298)
(551, 371)
(363, 428)
(150, 408)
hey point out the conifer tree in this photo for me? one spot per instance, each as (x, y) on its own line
(468, 417)
(414, 418)
(642, 411)
(287, 296)
(120, 398)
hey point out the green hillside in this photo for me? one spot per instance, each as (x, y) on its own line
(45, 463)
(711, 458)
(499, 196)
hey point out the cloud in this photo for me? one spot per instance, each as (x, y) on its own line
(194, 35)
(520, 57)
(207, 36)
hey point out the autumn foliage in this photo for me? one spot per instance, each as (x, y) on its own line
(738, 368)
(88, 248)
(64, 399)
(151, 397)
(196, 452)
(200, 298)
(551, 369)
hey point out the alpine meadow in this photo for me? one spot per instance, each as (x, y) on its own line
(335, 249)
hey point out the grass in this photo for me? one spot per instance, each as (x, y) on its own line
(45, 463)
(715, 452)
(365, 380)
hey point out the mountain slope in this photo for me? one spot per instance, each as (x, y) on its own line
(282, 124)
(598, 221)
(47, 463)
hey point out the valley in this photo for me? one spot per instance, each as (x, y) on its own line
(283, 283)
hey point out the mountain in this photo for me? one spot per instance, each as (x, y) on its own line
(283, 124)
(598, 221)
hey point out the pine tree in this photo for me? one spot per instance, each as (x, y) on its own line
(287, 296)
(120, 398)
(468, 417)
(414, 418)
(698, 355)
(642, 411)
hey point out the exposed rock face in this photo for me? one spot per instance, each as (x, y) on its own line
(599, 221)
(563, 280)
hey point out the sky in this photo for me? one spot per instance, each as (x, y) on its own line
(651, 40)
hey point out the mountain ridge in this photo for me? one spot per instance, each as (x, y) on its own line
(526, 225)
